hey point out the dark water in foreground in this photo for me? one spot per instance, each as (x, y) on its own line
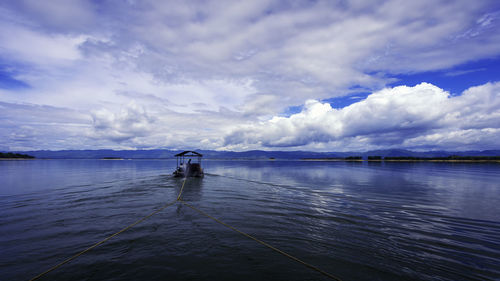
(357, 221)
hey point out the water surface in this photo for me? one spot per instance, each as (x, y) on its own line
(357, 221)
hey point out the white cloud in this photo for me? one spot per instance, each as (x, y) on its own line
(293, 52)
(31, 127)
(27, 46)
(423, 116)
(131, 122)
(299, 52)
(59, 14)
(197, 70)
(419, 117)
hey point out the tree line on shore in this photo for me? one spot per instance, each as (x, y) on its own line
(11, 155)
(448, 158)
(412, 158)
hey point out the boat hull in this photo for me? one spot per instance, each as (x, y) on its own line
(189, 172)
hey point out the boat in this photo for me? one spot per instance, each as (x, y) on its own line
(185, 166)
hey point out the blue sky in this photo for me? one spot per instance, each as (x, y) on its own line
(457, 79)
(287, 75)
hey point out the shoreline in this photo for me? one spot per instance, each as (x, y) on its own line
(404, 160)
(270, 160)
(12, 159)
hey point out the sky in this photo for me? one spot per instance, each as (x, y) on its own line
(241, 75)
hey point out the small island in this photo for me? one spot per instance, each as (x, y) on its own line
(111, 158)
(10, 155)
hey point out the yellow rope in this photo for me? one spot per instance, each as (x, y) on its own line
(201, 212)
(106, 239)
(182, 188)
(263, 243)
(100, 242)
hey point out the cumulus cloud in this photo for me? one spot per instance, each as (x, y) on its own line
(423, 116)
(131, 122)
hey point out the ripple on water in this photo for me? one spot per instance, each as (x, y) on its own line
(359, 222)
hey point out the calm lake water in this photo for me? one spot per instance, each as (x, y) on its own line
(357, 221)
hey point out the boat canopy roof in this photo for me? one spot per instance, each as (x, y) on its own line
(188, 153)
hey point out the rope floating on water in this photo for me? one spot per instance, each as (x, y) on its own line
(109, 237)
(182, 188)
(100, 242)
(263, 243)
(179, 199)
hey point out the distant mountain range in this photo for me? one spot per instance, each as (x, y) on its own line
(252, 154)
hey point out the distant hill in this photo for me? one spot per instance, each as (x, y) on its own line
(252, 154)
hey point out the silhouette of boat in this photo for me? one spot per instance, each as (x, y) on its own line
(186, 168)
